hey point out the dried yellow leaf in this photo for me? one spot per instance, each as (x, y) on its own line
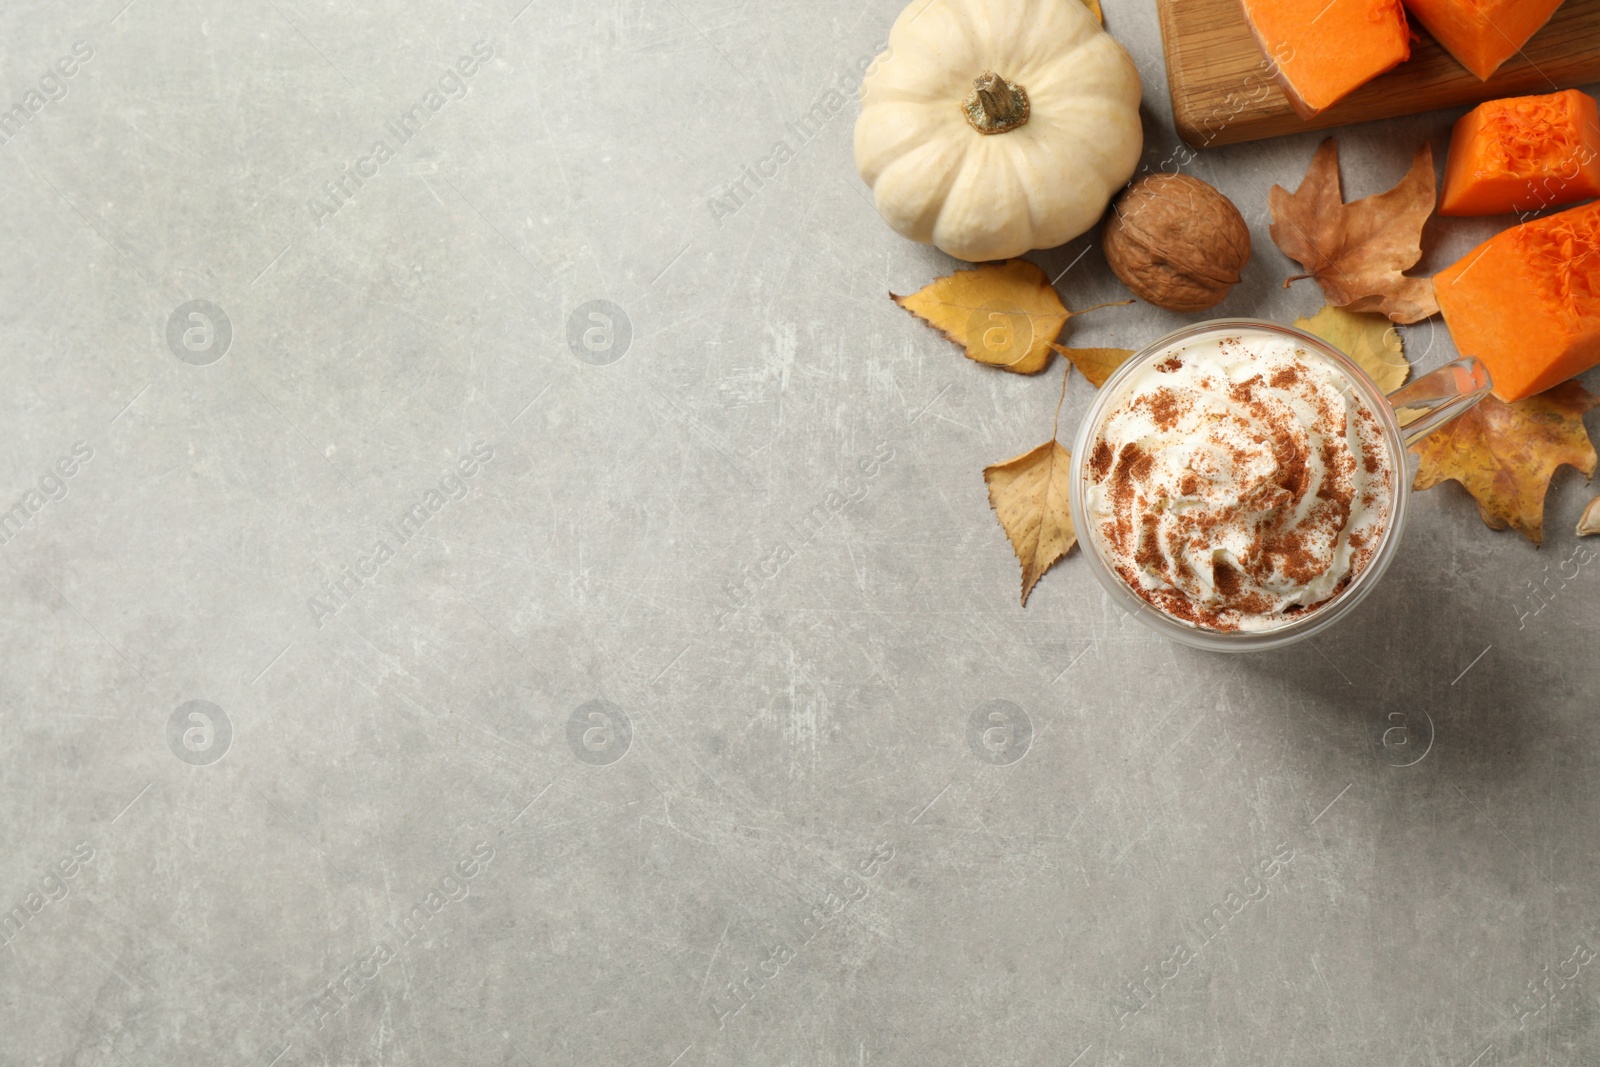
(1003, 314)
(1370, 340)
(1095, 364)
(1029, 496)
(1094, 5)
(1506, 454)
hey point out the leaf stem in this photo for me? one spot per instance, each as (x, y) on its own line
(1066, 370)
(1117, 304)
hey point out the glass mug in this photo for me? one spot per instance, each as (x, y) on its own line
(1427, 403)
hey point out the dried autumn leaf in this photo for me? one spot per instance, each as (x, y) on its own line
(1029, 496)
(1589, 521)
(1004, 314)
(1505, 454)
(1095, 364)
(1370, 340)
(1358, 252)
(1094, 6)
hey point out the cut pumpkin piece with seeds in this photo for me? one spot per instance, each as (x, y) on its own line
(1322, 53)
(1482, 34)
(1527, 301)
(1523, 153)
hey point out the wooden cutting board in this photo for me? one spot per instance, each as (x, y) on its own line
(1223, 93)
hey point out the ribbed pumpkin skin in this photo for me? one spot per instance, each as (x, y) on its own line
(981, 197)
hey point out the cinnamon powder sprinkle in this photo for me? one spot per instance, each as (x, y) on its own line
(1245, 392)
(1100, 459)
(1290, 542)
(1226, 580)
(1165, 408)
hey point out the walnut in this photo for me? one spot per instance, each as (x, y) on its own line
(1177, 242)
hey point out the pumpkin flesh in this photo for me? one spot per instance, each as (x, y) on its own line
(1523, 153)
(1527, 302)
(1482, 34)
(1321, 58)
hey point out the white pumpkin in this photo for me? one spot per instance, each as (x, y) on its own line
(1036, 183)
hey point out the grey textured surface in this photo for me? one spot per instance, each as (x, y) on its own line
(788, 837)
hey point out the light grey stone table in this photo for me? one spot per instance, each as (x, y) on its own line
(400, 676)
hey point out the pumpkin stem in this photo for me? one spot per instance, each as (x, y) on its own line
(995, 105)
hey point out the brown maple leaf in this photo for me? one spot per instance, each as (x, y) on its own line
(1358, 252)
(1505, 454)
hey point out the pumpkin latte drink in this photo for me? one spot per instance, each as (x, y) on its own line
(1237, 480)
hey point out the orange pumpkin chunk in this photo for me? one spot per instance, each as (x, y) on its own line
(1522, 154)
(1482, 34)
(1527, 301)
(1322, 51)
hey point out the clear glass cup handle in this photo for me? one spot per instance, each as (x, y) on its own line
(1436, 398)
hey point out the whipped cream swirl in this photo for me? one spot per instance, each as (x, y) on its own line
(1238, 481)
